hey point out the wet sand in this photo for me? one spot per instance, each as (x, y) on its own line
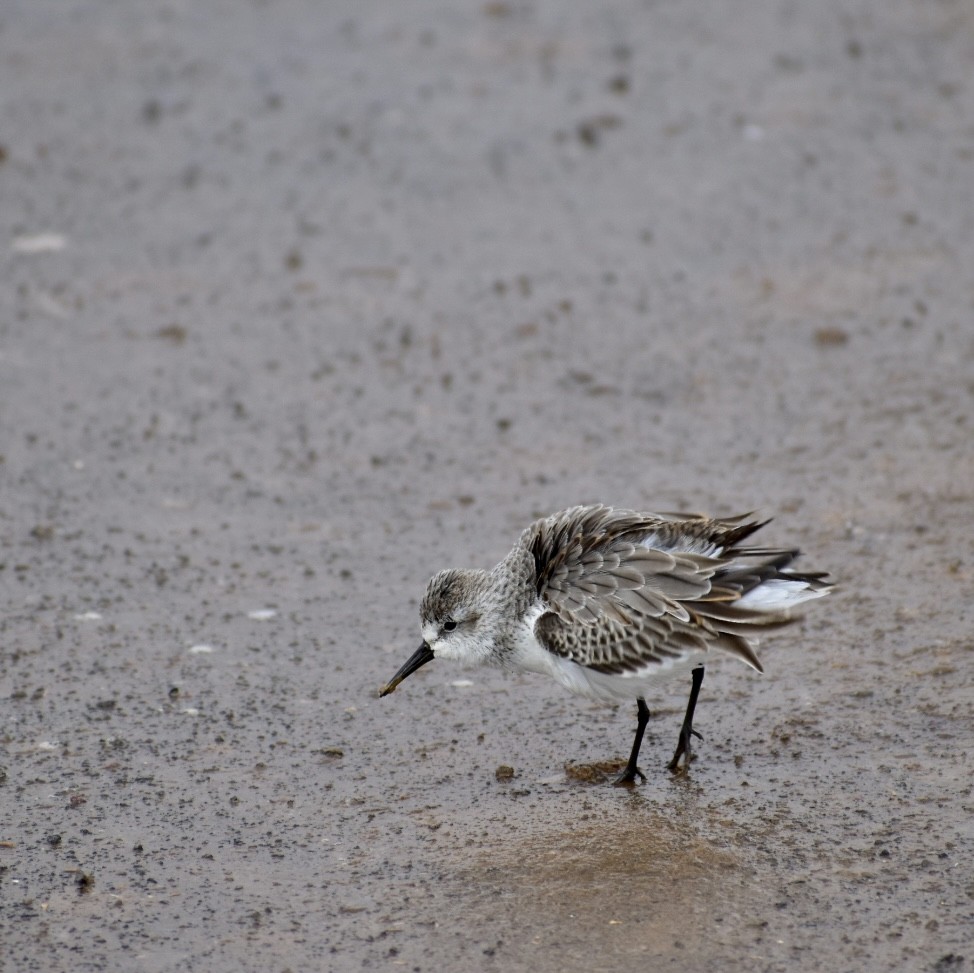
(305, 302)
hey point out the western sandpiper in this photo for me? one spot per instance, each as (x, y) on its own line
(611, 602)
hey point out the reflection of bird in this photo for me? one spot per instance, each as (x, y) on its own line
(610, 602)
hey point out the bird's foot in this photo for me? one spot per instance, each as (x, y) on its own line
(683, 750)
(628, 777)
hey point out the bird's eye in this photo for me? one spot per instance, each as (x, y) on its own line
(449, 626)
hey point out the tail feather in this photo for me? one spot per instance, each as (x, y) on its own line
(745, 599)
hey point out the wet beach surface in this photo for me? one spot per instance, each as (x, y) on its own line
(302, 303)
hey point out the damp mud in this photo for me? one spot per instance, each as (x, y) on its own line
(304, 302)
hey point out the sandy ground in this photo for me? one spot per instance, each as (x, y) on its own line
(304, 301)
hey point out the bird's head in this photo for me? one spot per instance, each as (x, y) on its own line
(455, 617)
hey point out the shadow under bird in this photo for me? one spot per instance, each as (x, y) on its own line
(612, 602)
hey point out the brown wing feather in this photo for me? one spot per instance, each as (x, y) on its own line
(617, 606)
(592, 563)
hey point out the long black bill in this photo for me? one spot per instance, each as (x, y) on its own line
(419, 658)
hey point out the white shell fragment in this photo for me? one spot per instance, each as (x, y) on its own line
(262, 614)
(39, 243)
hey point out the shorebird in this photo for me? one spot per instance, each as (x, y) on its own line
(612, 602)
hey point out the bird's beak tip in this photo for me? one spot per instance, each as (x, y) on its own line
(419, 658)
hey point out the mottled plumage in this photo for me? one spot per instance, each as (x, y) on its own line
(610, 602)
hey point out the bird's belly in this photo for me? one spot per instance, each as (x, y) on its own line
(605, 685)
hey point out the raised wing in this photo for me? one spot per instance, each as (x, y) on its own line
(593, 563)
(627, 592)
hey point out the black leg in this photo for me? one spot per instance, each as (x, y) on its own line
(629, 775)
(687, 731)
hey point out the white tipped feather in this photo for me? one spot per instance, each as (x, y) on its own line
(780, 594)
